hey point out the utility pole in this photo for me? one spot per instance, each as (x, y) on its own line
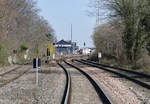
(71, 32)
(97, 2)
(71, 40)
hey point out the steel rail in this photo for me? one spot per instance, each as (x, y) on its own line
(13, 79)
(104, 98)
(14, 69)
(121, 69)
(65, 99)
(145, 85)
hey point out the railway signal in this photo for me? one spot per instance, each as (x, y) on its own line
(15, 51)
(51, 49)
(84, 44)
(48, 52)
(36, 63)
(48, 55)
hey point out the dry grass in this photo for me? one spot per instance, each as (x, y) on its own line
(4, 53)
(143, 64)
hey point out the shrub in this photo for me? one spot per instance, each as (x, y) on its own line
(24, 47)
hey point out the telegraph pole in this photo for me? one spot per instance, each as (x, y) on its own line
(71, 32)
(71, 39)
(98, 11)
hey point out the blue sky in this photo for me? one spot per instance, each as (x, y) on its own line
(62, 13)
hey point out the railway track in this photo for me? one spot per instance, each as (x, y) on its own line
(120, 69)
(65, 99)
(138, 78)
(2, 74)
(102, 96)
(11, 75)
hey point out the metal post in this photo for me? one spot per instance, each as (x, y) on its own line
(37, 71)
(71, 33)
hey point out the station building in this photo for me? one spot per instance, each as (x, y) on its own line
(65, 47)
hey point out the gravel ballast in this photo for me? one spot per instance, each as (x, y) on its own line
(114, 88)
(82, 92)
(24, 91)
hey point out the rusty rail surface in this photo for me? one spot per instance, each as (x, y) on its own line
(16, 77)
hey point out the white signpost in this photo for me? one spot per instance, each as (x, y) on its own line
(53, 56)
(36, 65)
(10, 59)
(99, 56)
(25, 56)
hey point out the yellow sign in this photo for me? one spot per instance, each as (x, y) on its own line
(51, 49)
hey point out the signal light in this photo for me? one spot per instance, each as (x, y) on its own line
(48, 52)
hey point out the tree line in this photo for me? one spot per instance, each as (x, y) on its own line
(21, 24)
(127, 32)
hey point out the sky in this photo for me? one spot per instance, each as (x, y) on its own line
(62, 13)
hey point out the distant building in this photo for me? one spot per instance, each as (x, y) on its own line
(65, 47)
(86, 50)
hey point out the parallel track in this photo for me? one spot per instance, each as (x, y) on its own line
(145, 85)
(120, 69)
(103, 97)
(5, 82)
(14, 69)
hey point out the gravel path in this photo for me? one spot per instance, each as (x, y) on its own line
(82, 92)
(118, 92)
(24, 91)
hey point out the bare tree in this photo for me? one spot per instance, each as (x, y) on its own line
(107, 39)
(134, 15)
(21, 24)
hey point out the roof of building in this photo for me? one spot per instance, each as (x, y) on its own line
(62, 42)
